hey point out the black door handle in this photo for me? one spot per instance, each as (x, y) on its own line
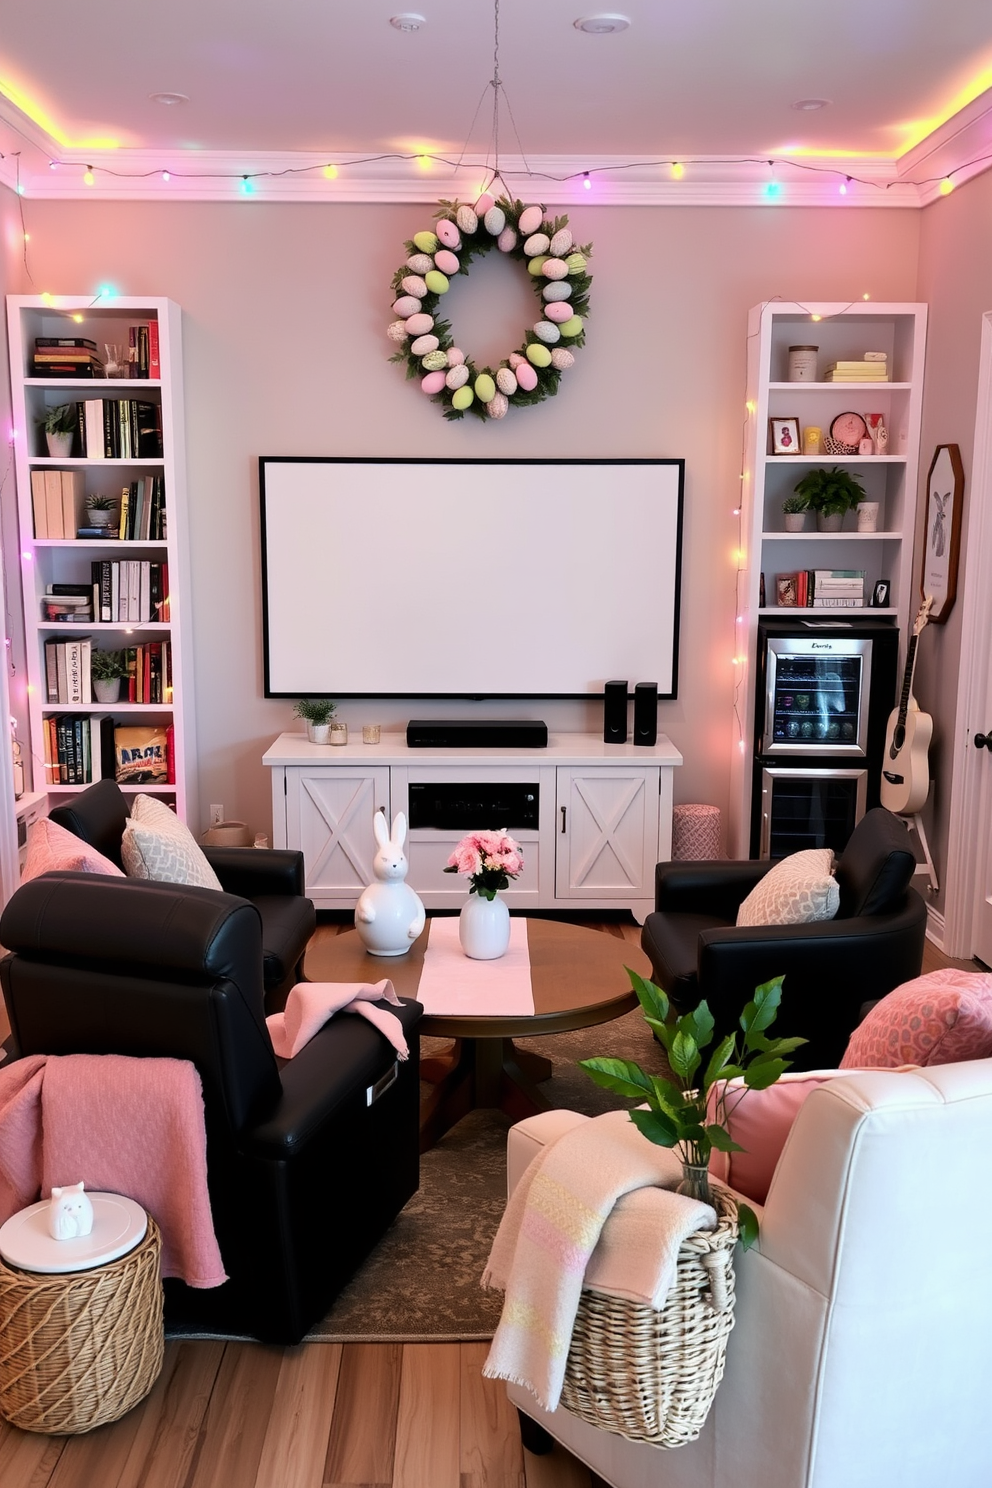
(984, 741)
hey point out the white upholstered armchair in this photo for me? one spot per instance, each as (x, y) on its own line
(862, 1351)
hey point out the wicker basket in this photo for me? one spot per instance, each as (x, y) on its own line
(80, 1349)
(651, 1376)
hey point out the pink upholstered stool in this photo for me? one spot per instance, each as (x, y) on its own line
(696, 832)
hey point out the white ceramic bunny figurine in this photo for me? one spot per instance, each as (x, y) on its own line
(389, 915)
(70, 1212)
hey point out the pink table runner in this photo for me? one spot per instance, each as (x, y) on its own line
(453, 984)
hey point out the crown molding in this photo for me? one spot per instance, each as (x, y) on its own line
(958, 150)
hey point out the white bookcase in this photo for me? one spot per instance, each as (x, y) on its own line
(68, 559)
(841, 332)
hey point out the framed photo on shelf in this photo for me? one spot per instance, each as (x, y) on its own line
(941, 543)
(880, 594)
(783, 434)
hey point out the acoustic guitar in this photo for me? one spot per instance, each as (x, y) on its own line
(905, 781)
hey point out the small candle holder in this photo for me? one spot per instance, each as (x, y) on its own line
(338, 733)
(371, 733)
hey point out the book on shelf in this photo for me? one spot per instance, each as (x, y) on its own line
(121, 429)
(48, 342)
(141, 755)
(77, 749)
(154, 364)
(39, 503)
(101, 534)
(67, 670)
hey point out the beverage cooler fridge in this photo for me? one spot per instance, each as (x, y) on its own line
(824, 691)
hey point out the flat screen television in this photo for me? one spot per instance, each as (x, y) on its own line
(469, 578)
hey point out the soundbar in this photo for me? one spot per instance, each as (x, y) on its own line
(483, 733)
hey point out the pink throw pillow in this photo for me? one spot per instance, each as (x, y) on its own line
(760, 1121)
(53, 849)
(940, 1018)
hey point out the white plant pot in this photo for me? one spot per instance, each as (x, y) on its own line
(59, 445)
(794, 521)
(484, 927)
(831, 523)
(319, 733)
(106, 689)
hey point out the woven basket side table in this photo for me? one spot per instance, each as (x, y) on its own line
(80, 1349)
(695, 832)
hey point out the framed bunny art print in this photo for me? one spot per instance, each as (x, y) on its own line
(941, 542)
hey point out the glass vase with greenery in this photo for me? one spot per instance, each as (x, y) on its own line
(680, 1112)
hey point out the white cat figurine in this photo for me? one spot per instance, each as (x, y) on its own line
(389, 915)
(70, 1213)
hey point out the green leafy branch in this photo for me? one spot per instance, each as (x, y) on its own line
(679, 1113)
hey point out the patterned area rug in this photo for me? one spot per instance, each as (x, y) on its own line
(422, 1281)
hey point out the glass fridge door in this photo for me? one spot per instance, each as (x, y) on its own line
(816, 704)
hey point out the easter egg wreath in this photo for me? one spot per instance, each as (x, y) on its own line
(558, 271)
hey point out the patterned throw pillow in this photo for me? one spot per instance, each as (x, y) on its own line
(53, 849)
(157, 845)
(940, 1018)
(796, 891)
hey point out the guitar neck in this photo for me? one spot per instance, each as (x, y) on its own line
(907, 684)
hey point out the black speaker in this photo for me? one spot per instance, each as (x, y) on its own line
(646, 713)
(615, 713)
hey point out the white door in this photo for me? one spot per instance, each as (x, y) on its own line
(329, 817)
(983, 905)
(607, 833)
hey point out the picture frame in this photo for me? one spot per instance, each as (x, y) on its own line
(941, 537)
(880, 594)
(784, 436)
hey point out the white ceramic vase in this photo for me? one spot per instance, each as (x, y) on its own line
(318, 733)
(829, 521)
(59, 445)
(484, 927)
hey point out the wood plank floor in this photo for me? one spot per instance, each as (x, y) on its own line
(242, 1415)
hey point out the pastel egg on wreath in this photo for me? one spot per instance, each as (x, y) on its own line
(572, 327)
(495, 220)
(419, 263)
(457, 376)
(447, 262)
(537, 243)
(526, 375)
(419, 325)
(462, 398)
(497, 406)
(559, 311)
(414, 284)
(561, 243)
(406, 306)
(536, 266)
(426, 241)
(554, 268)
(485, 387)
(424, 344)
(538, 355)
(556, 291)
(448, 232)
(483, 204)
(397, 331)
(546, 331)
(432, 383)
(562, 359)
(455, 356)
(506, 381)
(530, 220)
(517, 359)
(435, 361)
(436, 282)
(507, 240)
(576, 263)
(467, 219)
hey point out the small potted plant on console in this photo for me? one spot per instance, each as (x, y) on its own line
(794, 509)
(316, 714)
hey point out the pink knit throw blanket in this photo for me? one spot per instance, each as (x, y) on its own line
(551, 1230)
(122, 1125)
(310, 1005)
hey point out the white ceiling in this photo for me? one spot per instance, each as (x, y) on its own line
(296, 84)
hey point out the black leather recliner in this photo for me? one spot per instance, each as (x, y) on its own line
(272, 879)
(308, 1161)
(831, 968)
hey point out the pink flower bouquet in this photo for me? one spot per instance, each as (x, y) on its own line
(489, 860)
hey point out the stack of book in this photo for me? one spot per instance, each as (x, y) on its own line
(67, 670)
(874, 367)
(143, 356)
(69, 603)
(143, 510)
(57, 501)
(129, 591)
(120, 429)
(78, 749)
(821, 588)
(65, 356)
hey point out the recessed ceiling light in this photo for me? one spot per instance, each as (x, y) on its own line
(601, 25)
(408, 21)
(168, 99)
(809, 105)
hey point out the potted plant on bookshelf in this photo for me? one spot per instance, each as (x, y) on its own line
(106, 670)
(830, 493)
(59, 424)
(101, 510)
(794, 509)
(316, 714)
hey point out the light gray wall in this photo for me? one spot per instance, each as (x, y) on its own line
(285, 353)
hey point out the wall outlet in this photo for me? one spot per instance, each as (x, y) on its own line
(216, 815)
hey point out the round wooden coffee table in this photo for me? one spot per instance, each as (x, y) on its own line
(578, 980)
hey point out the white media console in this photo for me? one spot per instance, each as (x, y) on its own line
(597, 817)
